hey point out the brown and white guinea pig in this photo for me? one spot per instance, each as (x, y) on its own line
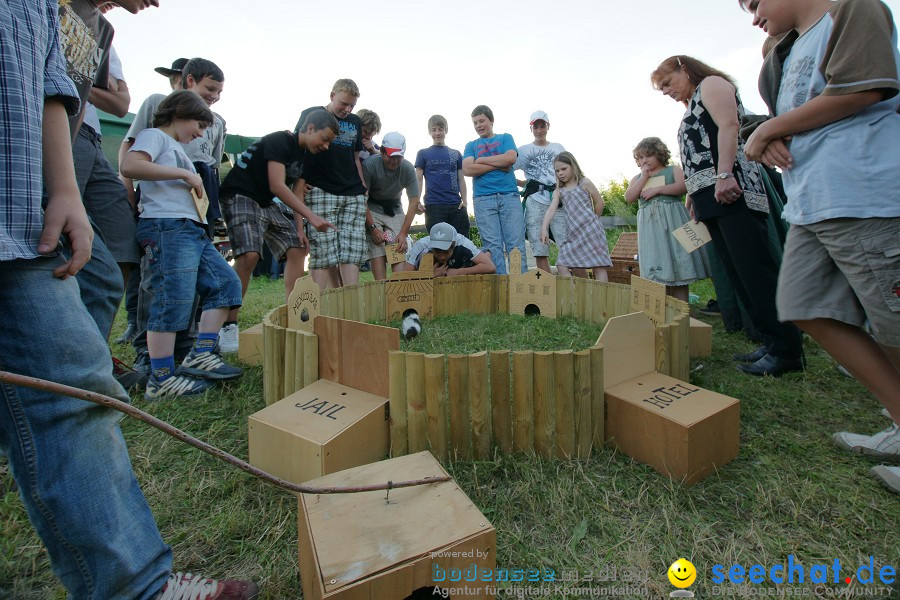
(410, 326)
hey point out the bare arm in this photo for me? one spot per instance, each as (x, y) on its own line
(548, 216)
(472, 169)
(718, 97)
(276, 174)
(115, 100)
(818, 112)
(138, 166)
(65, 213)
(500, 161)
(637, 185)
(588, 185)
(359, 168)
(483, 265)
(463, 190)
(124, 147)
(411, 211)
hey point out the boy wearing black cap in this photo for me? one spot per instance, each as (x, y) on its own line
(173, 74)
(453, 254)
(386, 175)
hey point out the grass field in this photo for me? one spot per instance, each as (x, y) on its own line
(789, 492)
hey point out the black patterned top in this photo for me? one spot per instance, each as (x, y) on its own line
(698, 139)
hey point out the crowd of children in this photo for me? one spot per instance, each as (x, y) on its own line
(831, 85)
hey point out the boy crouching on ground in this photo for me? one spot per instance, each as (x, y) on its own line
(182, 259)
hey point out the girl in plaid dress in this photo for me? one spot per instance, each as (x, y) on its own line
(585, 246)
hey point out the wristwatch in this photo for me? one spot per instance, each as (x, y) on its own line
(370, 227)
(724, 175)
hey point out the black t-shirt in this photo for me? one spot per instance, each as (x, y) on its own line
(335, 169)
(250, 175)
(85, 36)
(461, 257)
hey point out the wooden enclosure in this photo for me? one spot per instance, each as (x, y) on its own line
(548, 403)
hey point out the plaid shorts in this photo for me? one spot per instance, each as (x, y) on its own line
(347, 245)
(249, 224)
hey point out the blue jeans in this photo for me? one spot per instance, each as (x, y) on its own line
(68, 456)
(501, 224)
(184, 263)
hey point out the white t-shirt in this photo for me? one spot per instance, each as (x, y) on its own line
(171, 198)
(537, 163)
(115, 71)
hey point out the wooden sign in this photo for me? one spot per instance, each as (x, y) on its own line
(303, 304)
(201, 203)
(649, 297)
(692, 235)
(411, 289)
(323, 428)
(515, 262)
(655, 182)
(532, 293)
(393, 257)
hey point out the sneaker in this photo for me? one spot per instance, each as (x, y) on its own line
(208, 365)
(127, 377)
(127, 335)
(889, 477)
(711, 309)
(884, 445)
(175, 386)
(228, 338)
(185, 586)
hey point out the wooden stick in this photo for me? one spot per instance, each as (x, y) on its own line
(107, 401)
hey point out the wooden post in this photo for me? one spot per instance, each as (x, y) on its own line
(663, 362)
(480, 405)
(544, 407)
(500, 401)
(502, 293)
(417, 423)
(601, 302)
(564, 286)
(310, 358)
(436, 404)
(523, 401)
(564, 398)
(397, 403)
(598, 398)
(457, 396)
(582, 404)
(290, 361)
(273, 341)
(486, 290)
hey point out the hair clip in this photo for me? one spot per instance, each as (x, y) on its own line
(678, 59)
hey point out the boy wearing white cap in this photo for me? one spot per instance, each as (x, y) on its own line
(453, 254)
(386, 175)
(536, 161)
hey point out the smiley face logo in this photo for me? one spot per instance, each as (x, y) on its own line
(682, 573)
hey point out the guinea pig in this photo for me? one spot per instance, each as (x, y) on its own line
(411, 326)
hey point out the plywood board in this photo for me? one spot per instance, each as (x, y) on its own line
(700, 338)
(649, 297)
(355, 536)
(408, 291)
(535, 289)
(250, 345)
(356, 354)
(629, 348)
(303, 305)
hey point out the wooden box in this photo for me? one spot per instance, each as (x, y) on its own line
(679, 429)
(250, 345)
(623, 258)
(321, 429)
(355, 546)
(701, 338)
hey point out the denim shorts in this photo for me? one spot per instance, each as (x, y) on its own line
(183, 262)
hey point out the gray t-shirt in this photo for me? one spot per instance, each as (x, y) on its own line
(423, 245)
(385, 186)
(207, 148)
(170, 198)
(537, 163)
(847, 168)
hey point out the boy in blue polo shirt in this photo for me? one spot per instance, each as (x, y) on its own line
(489, 161)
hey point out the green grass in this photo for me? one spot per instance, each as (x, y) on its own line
(790, 491)
(467, 334)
